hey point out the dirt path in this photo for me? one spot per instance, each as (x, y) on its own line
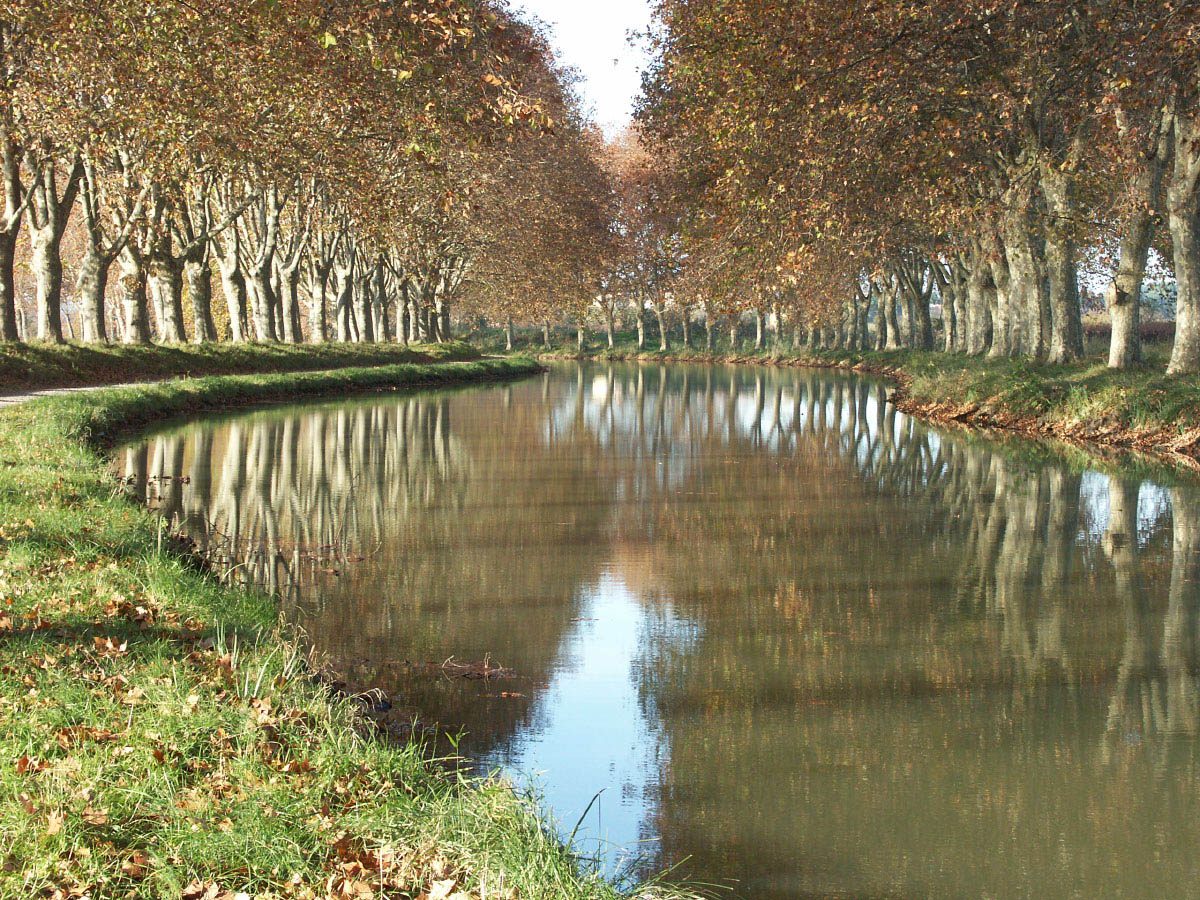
(7, 400)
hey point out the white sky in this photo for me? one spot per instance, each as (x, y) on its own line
(592, 36)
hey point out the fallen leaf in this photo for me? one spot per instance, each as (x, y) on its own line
(107, 647)
(95, 816)
(200, 891)
(135, 866)
(54, 822)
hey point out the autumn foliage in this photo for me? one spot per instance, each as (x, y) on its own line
(342, 169)
(857, 162)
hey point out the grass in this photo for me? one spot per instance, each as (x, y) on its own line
(26, 366)
(1086, 400)
(163, 736)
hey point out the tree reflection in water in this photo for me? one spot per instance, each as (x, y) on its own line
(863, 657)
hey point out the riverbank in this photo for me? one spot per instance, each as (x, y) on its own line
(25, 367)
(164, 736)
(1085, 402)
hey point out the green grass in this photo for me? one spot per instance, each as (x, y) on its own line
(1085, 400)
(26, 366)
(161, 733)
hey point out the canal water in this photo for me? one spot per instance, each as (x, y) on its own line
(752, 623)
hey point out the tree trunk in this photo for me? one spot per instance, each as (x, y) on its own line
(759, 330)
(276, 298)
(1066, 326)
(609, 327)
(546, 335)
(1185, 233)
(579, 338)
(924, 322)
(289, 299)
(198, 276)
(414, 320)
(432, 327)
(1123, 296)
(233, 282)
(383, 329)
(881, 322)
(48, 215)
(8, 291)
(889, 300)
(90, 284)
(344, 297)
(10, 173)
(686, 319)
(979, 322)
(46, 265)
(1002, 308)
(959, 278)
(641, 326)
(949, 318)
(1030, 319)
(508, 334)
(166, 282)
(910, 319)
(365, 312)
(137, 313)
(402, 314)
(262, 302)
(664, 343)
(318, 286)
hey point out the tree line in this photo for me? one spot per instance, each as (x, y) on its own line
(342, 170)
(839, 170)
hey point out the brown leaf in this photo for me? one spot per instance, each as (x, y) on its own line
(136, 865)
(95, 816)
(262, 711)
(200, 891)
(54, 822)
(107, 647)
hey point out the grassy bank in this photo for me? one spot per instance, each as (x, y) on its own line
(1084, 401)
(162, 736)
(26, 366)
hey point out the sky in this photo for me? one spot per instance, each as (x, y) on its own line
(592, 35)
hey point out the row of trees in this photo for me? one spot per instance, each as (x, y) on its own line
(342, 169)
(356, 169)
(825, 165)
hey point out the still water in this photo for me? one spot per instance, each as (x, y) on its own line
(799, 643)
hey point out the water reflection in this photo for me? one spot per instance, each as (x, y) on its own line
(805, 642)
